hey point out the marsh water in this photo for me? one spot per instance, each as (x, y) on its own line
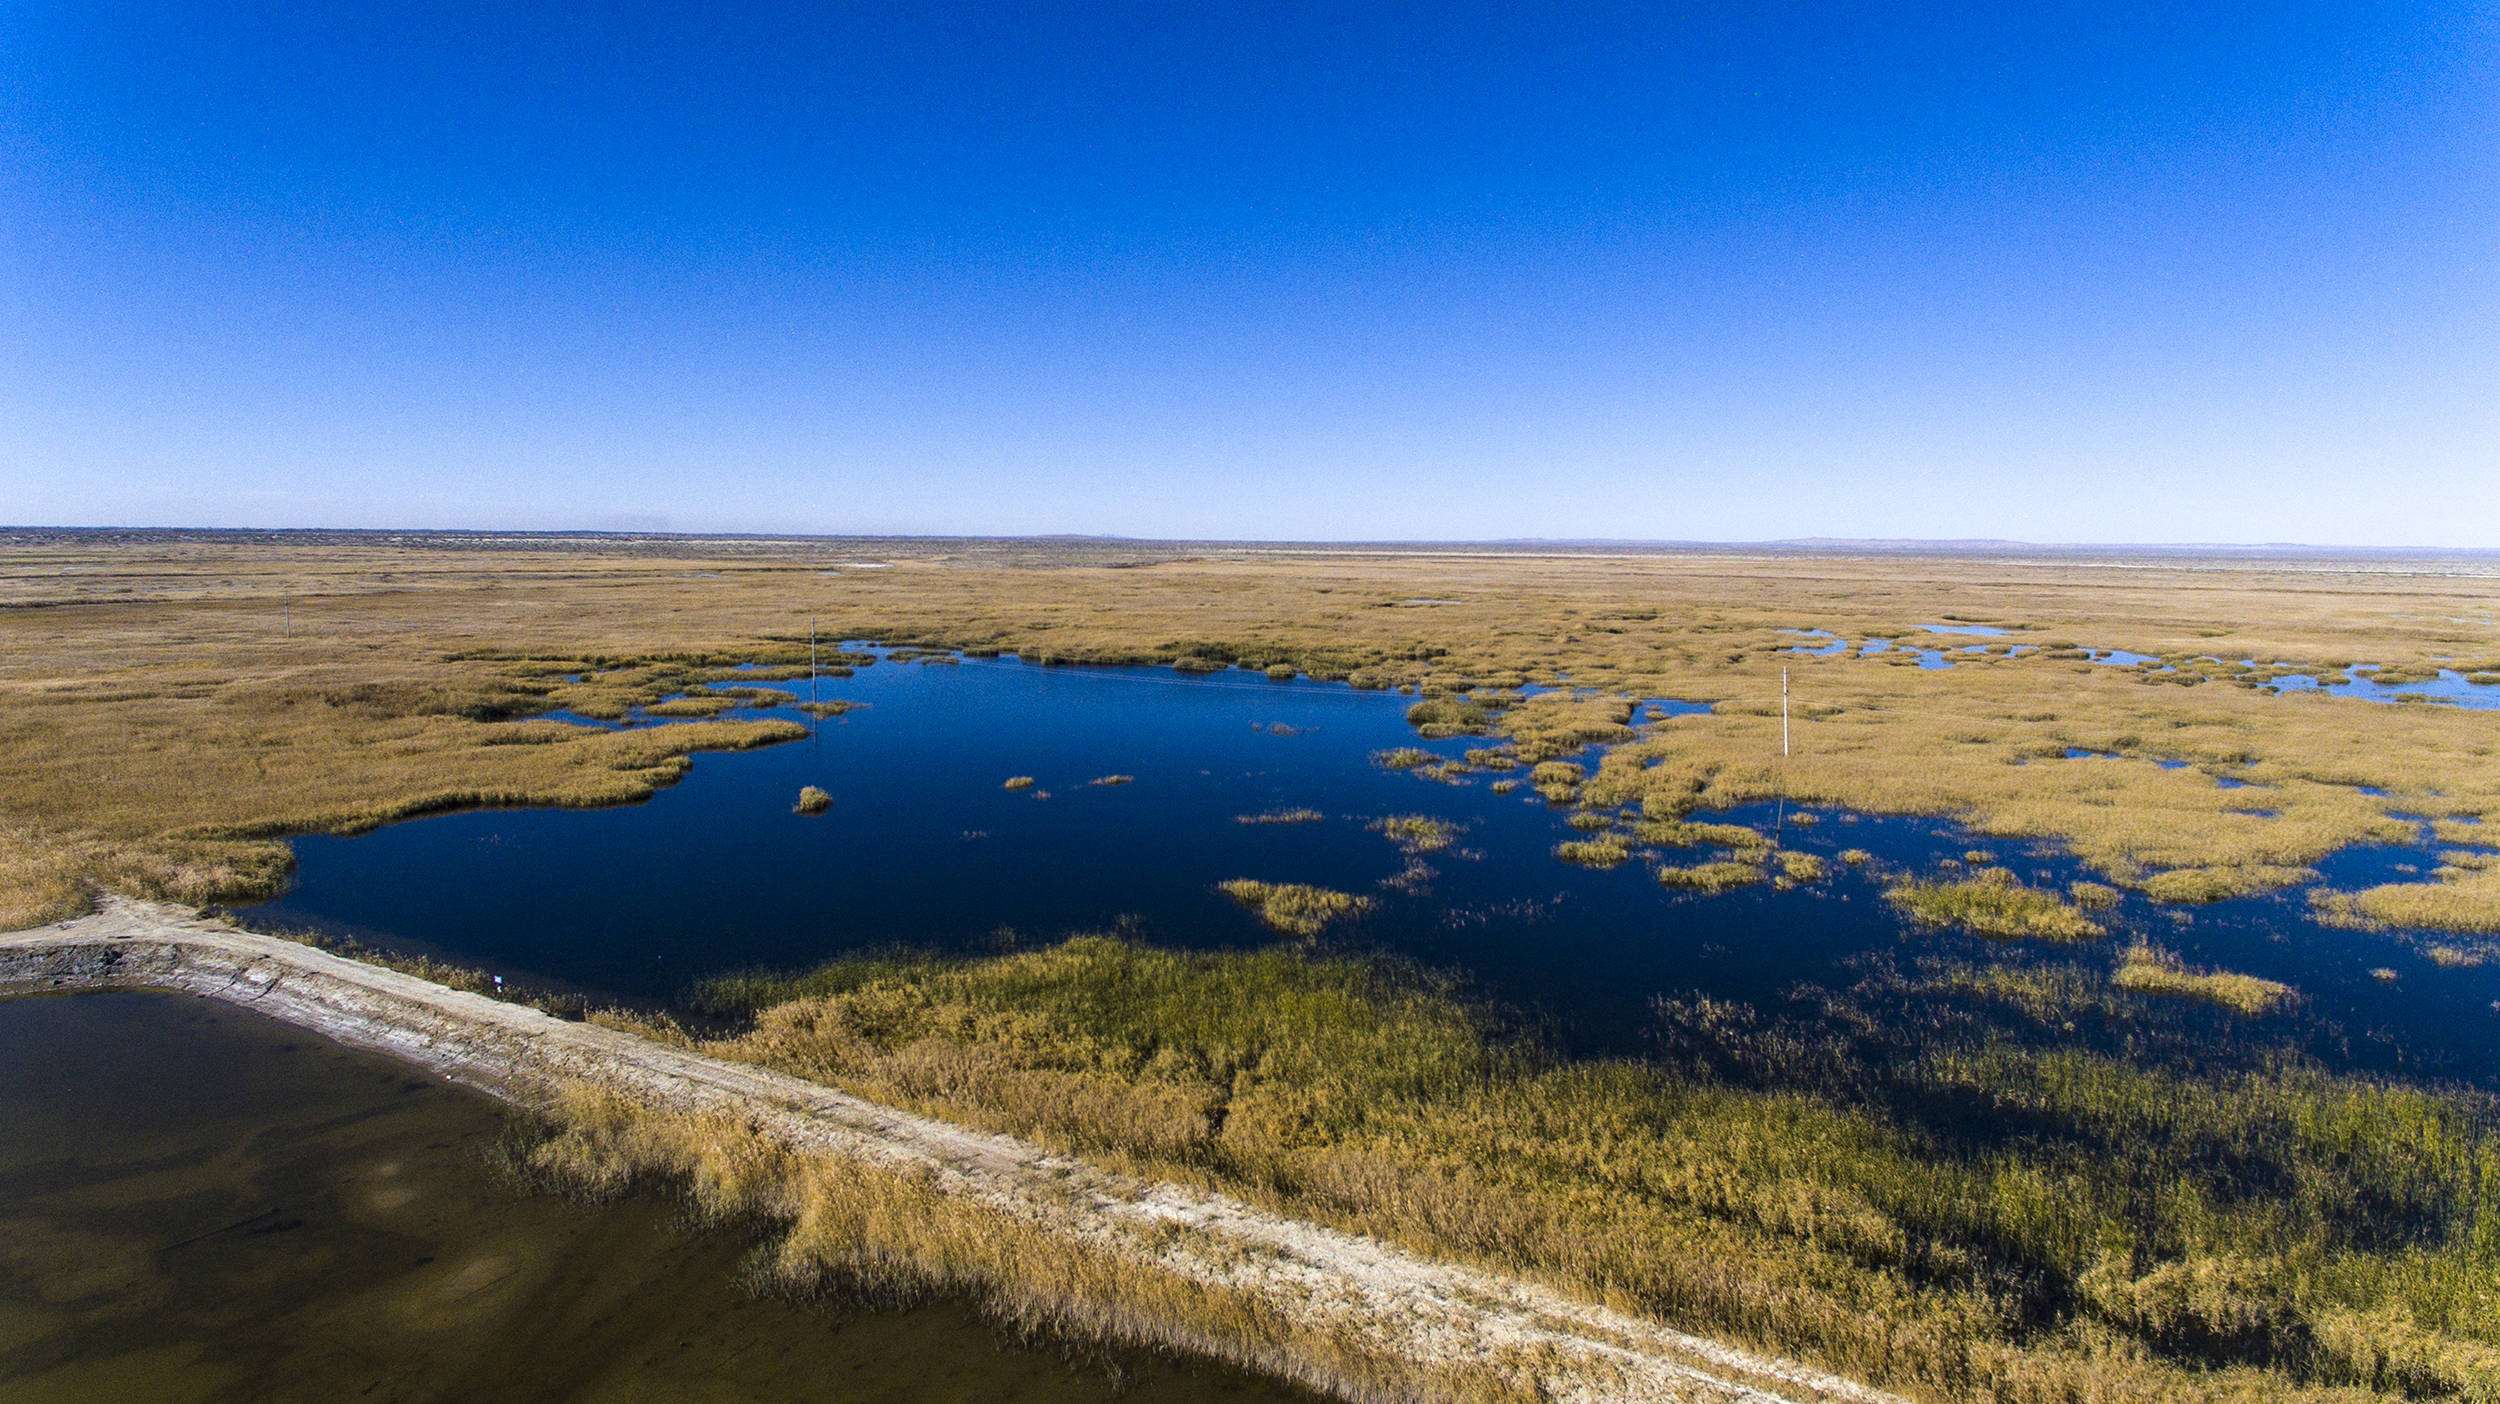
(198, 1204)
(925, 847)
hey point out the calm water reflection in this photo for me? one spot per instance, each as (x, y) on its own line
(923, 846)
(197, 1204)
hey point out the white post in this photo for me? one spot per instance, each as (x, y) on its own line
(1783, 714)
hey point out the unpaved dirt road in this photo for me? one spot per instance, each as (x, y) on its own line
(1401, 1306)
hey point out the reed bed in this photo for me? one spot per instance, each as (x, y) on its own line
(885, 1234)
(1605, 851)
(2109, 1231)
(1294, 908)
(1438, 717)
(1800, 867)
(2151, 970)
(1416, 834)
(1993, 903)
(1718, 875)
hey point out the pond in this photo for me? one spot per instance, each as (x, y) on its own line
(925, 846)
(199, 1204)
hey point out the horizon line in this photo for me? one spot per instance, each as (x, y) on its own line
(1806, 543)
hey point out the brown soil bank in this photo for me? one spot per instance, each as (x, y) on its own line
(873, 1190)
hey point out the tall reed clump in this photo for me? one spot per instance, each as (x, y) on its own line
(2150, 970)
(813, 799)
(1294, 908)
(1603, 851)
(1436, 717)
(1416, 833)
(2106, 1231)
(1994, 903)
(1718, 875)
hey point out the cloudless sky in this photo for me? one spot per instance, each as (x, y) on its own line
(2106, 272)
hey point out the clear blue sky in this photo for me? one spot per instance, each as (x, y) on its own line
(2107, 272)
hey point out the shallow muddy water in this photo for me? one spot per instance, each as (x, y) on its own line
(197, 1204)
(924, 846)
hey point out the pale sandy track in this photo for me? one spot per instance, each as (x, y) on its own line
(1402, 1306)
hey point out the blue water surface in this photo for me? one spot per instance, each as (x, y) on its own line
(924, 847)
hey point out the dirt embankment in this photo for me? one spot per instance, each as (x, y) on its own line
(1389, 1304)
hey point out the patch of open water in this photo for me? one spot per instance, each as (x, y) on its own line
(925, 847)
(199, 1204)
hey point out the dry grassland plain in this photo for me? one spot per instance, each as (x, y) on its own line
(1960, 1209)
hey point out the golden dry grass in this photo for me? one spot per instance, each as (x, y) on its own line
(2463, 895)
(2151, 970)
(1717, 876)
(813, 799)
(1416, 833)
(1993, 903)
(1294, 908)
(1604, 851)
(1800, 867)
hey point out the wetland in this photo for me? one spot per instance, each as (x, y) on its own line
(2058, 1023)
